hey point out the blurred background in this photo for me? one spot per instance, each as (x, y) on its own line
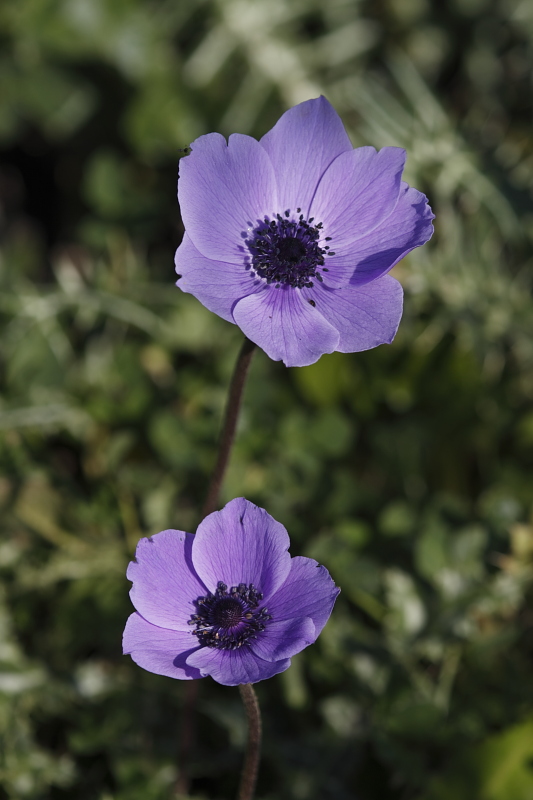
(406, 470)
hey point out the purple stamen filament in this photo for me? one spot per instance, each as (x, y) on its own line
(227, 620)
(286, 252)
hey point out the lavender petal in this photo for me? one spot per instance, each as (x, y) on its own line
(160, 650)
(284, 638)
(223, 191)
(242, 544)
(164, 580)
(231, 667)
(301, 146)
(409, 226)
(356, 194)
(365, 316)
(217, 285)
(308, 591)
(286, 326)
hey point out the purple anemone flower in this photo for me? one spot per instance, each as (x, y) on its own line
(291, 238)
(229, 602)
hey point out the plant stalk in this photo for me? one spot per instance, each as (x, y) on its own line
(227, 438)
(229, 425)
(253, 747)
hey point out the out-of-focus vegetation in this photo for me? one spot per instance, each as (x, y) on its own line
(406, 470)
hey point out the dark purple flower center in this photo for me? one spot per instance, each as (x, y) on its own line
(287, 251)
(227, 620)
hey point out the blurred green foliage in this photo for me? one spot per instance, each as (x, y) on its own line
(405, 470)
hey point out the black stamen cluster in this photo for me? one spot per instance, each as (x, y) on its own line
(286, 251)
(227, 620)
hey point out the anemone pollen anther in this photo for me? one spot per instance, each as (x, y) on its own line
(287, 251)
(227, 620)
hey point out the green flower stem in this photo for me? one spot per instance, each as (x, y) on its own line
(253, 748)
(229, 426)
(227, 437)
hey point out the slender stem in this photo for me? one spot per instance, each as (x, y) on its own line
(229, 425)
(253, 748)
(227, 437)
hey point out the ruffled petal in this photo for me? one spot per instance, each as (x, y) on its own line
(409, 226)
(285, 326)
(284, 638)
(224, 190)
(301, 146)
(164, 581)
(309, 591)
(242, 544)
(357, 192)
(231, 667)
(365, 316)
(216, 284)
(160, 650)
